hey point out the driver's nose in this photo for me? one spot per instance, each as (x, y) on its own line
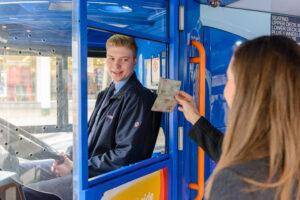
(117, 63)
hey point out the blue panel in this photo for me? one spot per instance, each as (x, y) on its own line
(142, 16)
(220, 45)
(147, 50)
(30, 22)
(97, 38)
(187, 161)
(219, 49)
(50, 21)
(126, 170)
(97, 191)
(113, 29)
(173, 120)
(80, 146)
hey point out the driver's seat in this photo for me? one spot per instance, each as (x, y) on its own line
(11, 191)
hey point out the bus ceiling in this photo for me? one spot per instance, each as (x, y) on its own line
(44, 27)
(49, 22)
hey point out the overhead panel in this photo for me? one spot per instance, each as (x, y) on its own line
(143, 16)
(36, 24)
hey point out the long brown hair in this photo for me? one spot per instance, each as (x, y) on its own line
(264, 119)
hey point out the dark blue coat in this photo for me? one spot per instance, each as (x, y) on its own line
(126, 131)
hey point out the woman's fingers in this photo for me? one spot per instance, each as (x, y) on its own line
(186, 101)
(185, 95)
(179, 99)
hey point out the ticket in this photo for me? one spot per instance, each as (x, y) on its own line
(165, 101)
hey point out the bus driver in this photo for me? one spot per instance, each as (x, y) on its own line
(120, 129)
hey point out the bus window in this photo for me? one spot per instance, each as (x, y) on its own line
(150, 66)
(35, 92)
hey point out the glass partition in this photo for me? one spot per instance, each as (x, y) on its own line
(35, 92)
(98, 80)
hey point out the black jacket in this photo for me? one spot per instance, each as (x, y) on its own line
(208, 138)
(126, 131)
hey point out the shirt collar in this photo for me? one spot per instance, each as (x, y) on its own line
(120, 84)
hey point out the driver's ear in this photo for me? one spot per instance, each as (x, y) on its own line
(135, 61)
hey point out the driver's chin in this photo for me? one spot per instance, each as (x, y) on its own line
(120, 77)
(117, 79)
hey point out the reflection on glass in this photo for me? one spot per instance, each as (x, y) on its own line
(23, 83)
(143, 16)
(35, 94)
(122, 128)
(98, 80)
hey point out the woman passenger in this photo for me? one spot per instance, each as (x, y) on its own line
(261, 149)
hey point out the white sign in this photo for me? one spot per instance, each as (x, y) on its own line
(155, 71)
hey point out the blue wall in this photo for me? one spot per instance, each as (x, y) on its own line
(219, 49)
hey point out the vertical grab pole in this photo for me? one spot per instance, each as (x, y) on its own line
(201, 60)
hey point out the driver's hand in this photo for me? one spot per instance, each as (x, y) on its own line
(63, 166)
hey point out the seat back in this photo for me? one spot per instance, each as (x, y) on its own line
(11, 191)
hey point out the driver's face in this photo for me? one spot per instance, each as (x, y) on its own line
(120, 62)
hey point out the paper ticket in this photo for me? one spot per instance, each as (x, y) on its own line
(168, 87)
(165, 101)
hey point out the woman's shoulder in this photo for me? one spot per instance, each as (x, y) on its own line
(257, 169)
(228, 183)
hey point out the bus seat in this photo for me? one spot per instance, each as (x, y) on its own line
(10, 189)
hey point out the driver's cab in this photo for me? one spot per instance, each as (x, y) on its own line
(37, 86)
(36, 111)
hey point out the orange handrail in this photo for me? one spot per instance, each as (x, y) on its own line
(201, 60)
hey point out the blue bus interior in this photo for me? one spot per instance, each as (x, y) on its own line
(69, 38)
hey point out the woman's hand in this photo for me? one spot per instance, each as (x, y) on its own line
(188, 108)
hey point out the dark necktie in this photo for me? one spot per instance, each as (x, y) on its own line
(105, 102)
(108, 95)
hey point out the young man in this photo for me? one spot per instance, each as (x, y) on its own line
(122, 129)
(123, 133)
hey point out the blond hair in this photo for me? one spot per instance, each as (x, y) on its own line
(122, 41)
(264, 120)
